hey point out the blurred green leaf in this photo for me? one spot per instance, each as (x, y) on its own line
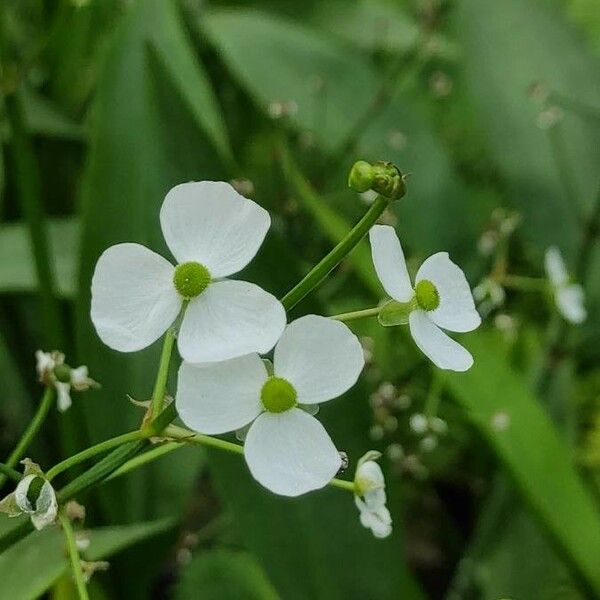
(18, 275)
(538, 461)
(33, 564)
(520, 43)
(292, 71)
(224, 575)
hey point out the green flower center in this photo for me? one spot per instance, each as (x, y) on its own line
(191, 279)
(427, 295)
(278, 395)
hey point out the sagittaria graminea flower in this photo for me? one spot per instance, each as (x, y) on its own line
(213, 232)
(569, 296)
(43, 509)
(287, 449)
(370, 497)
(53, 371)
(441, 298)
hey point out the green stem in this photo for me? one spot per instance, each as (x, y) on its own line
(329, 262)
(9, 473)
(29, 191)
(191, 437)
(118, 457)
(74, 557)
(357, 314)
(526, 284)
(82, 456)
(145, 458)
(32, 429)
(158, 395)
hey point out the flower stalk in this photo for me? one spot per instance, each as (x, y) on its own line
(32, 430)
(158, 395)
(74, 558)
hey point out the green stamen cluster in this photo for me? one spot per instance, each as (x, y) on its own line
(427, 295)
(278, 395)
(191, 279)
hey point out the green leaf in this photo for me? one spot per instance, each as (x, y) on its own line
(18, 275)
(280, 62)
(33, 564)
(532, 453)
(518, 44)
(224, 575)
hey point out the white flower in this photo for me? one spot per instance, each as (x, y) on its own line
(212, 232)
(569, 297)
(45, 507)
(441, 298)
(53, 371)
(287, 450)
(370, 498)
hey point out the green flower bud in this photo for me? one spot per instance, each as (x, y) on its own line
(361, 176)
(382, 177)
(63, 373)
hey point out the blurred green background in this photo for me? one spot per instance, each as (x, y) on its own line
(492, 106)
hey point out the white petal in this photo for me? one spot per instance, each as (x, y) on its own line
(133, 297)
(555, 267)
(320, 357)
(21, 493)
(290, 453)
(220, 397)
(570, 303)
(443, 351)
(63, 395)
(369, 476)
(456, 311)
(389, 262)
(210, 223)
(230, 319)
(46, 507)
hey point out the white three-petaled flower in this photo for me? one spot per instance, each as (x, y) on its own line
(213, 232)
(569, 297)
(287, 450)
(370, 497)
(43, 510)
(441, 298)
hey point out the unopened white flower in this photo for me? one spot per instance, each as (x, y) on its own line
(370, 497)
(212, 232)
(441, 298)
(53, 371)
(287, 450)
(43, 510)
(569, 296)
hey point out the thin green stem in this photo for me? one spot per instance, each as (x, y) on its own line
(145, 458)
(32, 429)
(191, 437)
(84, 455)
(9, 473)
(316, 275)
(28, 186)
(74, 557)
(158, 395)
(357, 314)
(525, 284)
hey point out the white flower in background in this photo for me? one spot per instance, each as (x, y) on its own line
(212, 232)
(569, 296)
(53, 371)
(43, 509)
(441, 298)
(370, 498)
(287, 449)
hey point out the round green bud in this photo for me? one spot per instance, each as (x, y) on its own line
(428, 298)
(278, 395)
(361, 175)
(191, 279)
(63, 373)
